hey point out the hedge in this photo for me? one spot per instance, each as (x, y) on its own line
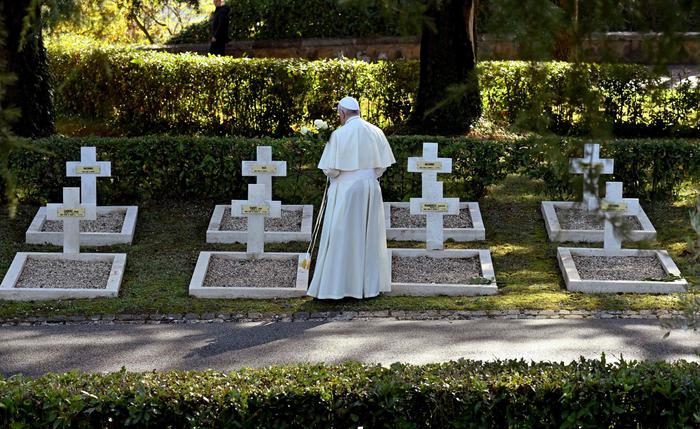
(148, 168)
(462, 394)
(294, 19)
(144, 92)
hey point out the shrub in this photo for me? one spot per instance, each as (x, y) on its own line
(649, 169)
(585, 393)
(209, 167)
(151, 92)
(629, 99)
(164, 167)
(294, 19)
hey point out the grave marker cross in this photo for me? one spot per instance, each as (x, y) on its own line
(256, 209)
(264, 168)
(432, 204)
(591, 162)
(71, 212)
(429, 165)
(88, 169)
(615, 207)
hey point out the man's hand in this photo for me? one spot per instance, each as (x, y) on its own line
(213, 39)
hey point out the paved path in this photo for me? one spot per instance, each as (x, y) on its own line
(35, 350)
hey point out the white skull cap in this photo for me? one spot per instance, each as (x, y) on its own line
(349, 103)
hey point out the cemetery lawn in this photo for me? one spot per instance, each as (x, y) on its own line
(170, 235)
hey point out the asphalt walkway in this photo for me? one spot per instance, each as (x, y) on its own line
(34, 350)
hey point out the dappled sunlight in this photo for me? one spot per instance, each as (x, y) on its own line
(507, 249)
(34, 351)
(677, 247)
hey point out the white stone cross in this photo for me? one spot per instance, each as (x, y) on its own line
(71, 212)
(256, 208)
(429, 165)
(88, 169)
(591, 162)
(614, 206)
(434, 207)
(264, 168)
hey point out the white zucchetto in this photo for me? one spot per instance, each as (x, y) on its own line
(349, 103)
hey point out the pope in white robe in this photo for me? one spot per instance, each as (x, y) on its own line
(352, 256)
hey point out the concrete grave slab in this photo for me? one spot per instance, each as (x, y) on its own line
(9, 291)
(216, 235)
(475, 233)
(70, 277)
(199, 289)
(35, 235)
(574, 282)
(556, 233)
(431, 289)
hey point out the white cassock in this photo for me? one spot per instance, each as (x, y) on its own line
(352, 256)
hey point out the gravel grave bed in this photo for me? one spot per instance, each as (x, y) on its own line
(423, 269)
(257, 273)
(105, 222)
(635, 268)
(401, 217)
(582, 219)
(39, 273)
(289, 221)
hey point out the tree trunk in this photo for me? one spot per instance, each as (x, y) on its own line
(448, 100)
(31, 92)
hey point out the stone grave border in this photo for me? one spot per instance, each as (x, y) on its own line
(333, 315)
(35, 235)
(557, 234)
(476, 233)
(215, 235)
(8, 291)
(198, 290)
(432, 289)
(574, 282)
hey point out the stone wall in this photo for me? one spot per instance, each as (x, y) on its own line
(623, 47)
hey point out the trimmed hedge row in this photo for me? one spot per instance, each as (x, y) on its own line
(462, 394)
(294, 19)
(209, 167)
(153, 92)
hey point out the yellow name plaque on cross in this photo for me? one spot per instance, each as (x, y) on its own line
(265, 168)
(434, 207)
(613, 207)
(94, 169)
(71, 212)
(429, 165)
(255, 210)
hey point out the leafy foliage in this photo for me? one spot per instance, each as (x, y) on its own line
(149, 92)
(650, 169)
(126, 21)
(584, 393)
(293, 19)
(161, 167)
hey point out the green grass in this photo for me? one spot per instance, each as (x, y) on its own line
(169, 236)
